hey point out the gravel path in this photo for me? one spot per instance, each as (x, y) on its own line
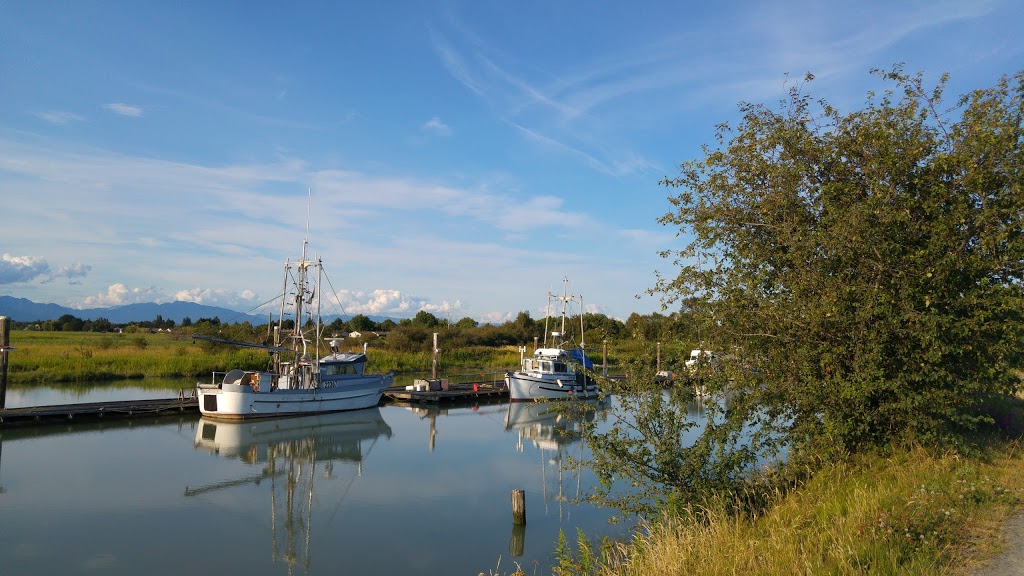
(1009, 562)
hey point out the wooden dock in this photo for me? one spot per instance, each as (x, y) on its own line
(94, 411)
(455, 394)
(188, 403)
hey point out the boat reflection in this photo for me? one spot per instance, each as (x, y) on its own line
(554, 427)
(291, 453)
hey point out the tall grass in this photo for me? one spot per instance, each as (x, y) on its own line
(911, 513)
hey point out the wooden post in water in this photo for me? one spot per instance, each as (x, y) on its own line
(519, 507)
(604, 358)
(433, 371)
(5, 345)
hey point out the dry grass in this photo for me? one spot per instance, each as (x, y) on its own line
(911, 513)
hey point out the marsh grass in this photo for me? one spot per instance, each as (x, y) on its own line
(50, 357)
(909, 513)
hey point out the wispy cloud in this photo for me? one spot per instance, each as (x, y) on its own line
(124, 109)
(436, 126)
(59, 117)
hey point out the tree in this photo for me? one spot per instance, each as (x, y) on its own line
(361, 323)
(466, 323)
(69, 323)
(872, 261)
(869, 264)
(426, 320)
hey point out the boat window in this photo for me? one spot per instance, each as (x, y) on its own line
(560, 367)
(335, 369)
(545, 366)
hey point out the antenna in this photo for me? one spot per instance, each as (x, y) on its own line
(309, 201)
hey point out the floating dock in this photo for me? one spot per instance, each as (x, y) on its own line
(456, 393)
(188, 403)
(93, 411)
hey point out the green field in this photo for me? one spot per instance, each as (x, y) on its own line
(52, 357)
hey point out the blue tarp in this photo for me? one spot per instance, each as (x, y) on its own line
(581, 357)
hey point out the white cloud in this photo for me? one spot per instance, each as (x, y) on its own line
(224, 298)
(119, 295)
(380, 302)
(22, 268)
(436, 126)
(124, 109)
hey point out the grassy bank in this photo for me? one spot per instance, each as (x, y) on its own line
(908, 513)
(911, 513)
(49, 357)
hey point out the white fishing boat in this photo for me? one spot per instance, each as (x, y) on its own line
(556, 371)
(299, 380)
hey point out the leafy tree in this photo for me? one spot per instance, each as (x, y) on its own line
(466, 323)
(426, 320)
(868, 263)
(361, 323)
(69, 323)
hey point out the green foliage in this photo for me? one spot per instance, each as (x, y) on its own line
(870, 262)
(667, 447)
(581, 562)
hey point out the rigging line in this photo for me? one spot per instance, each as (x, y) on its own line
(351, 481)
(272, 300)
(335, 293)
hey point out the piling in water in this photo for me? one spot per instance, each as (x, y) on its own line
(519, 507)
(5, 345)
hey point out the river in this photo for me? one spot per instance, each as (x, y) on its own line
(392, 490)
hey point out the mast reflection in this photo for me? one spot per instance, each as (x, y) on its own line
(292, 453)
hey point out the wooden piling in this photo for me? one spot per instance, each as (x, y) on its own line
(604, 357)
(5, 345)
(519, 507)
(433, 369)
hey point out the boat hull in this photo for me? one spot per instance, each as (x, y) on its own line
(523, 387)
(238, 402)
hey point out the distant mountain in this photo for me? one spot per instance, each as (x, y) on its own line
(23, 310)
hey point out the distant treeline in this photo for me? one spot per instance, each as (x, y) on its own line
(410, 334)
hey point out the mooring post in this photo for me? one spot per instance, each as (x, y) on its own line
(433, 371)
(5, 346)
(519, 507)
(604, 358)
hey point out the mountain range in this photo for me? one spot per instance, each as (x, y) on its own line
(23, 310)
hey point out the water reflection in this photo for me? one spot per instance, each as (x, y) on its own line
(293, 454)
(553, 428)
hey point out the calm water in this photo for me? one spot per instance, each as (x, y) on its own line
(392, 490)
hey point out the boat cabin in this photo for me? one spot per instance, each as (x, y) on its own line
(339, 364)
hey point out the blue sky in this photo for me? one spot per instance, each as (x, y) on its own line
(462, 157)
